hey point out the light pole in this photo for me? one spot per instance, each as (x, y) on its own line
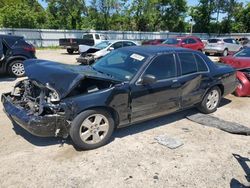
(191, 28)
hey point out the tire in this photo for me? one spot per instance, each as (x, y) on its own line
(225, 52)
(94, 133)
(16, 68)
(70, 51)
(211, 101)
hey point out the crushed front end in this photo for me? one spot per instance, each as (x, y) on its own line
(36, 108)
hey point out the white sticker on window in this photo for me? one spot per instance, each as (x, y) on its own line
(137, 57)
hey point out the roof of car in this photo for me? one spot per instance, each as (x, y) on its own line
(155, 49)
(10, 36)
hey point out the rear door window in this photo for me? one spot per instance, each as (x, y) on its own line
(87, 36)
(191, 41)
(188, 63)
(162, 67)
(228, 40)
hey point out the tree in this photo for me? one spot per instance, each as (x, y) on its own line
(22, 14)
(65, 14)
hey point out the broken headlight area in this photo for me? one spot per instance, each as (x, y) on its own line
(36, 98)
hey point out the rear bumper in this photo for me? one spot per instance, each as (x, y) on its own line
(42, 126)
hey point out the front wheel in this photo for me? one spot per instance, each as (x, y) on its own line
(92, 129)
(211, 101)
(225, 52)
(70, 51)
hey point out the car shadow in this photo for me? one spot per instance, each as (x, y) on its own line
(7, 78)
(66, 53)
(119, 133)
(243, 162)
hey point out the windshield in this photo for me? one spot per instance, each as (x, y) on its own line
(120, 64)
(171, 41)
(243, 53)
(103, 44)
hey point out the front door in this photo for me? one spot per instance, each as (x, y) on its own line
(162, 96)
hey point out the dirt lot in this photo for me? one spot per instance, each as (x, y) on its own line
(132, 158)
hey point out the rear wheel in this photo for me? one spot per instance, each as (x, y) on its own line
(225, 52)
(16, 68)
(92, 129)
(211, 101)
(70, 51)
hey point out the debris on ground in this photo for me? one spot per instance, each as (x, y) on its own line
(227, 126)
(170, 142)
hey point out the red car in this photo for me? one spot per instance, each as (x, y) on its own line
(153, 42)
(241, 62)
(190, 42)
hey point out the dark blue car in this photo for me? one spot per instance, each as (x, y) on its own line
(128, 85)
(13, 51)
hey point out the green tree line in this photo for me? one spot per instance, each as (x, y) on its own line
(209, 16)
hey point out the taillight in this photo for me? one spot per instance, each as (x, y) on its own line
(71, 40)
(30, 49)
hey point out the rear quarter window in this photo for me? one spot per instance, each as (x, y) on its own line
(201, 64)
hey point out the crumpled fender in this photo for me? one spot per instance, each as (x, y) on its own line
(243, 89)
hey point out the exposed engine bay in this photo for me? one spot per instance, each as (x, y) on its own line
(36, 98)
(87, 58)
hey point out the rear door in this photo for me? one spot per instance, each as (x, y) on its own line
(194, 78)
(161, 97)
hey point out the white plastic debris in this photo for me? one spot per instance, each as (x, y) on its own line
(170, 142)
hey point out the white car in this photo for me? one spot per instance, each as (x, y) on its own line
(222, 46)
(102, 49)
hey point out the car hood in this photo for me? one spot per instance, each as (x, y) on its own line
(61, 77)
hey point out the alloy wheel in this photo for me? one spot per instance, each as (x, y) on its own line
(212, 99)
(18, 69)
(94, 129)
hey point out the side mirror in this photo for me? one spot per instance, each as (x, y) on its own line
(147, 79)
(110, 48)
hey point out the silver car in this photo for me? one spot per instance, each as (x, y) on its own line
(223, 46)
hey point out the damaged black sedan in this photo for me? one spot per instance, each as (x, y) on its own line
(127, 86)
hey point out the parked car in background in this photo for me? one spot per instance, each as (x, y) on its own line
(153, 42)
(13, 51)
(102, 49)
(241, 62)
(242, 40)
(190, 42)
(89, 39)
(129, 85)
(222, 46)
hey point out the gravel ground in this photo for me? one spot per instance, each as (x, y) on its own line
(132, 158)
